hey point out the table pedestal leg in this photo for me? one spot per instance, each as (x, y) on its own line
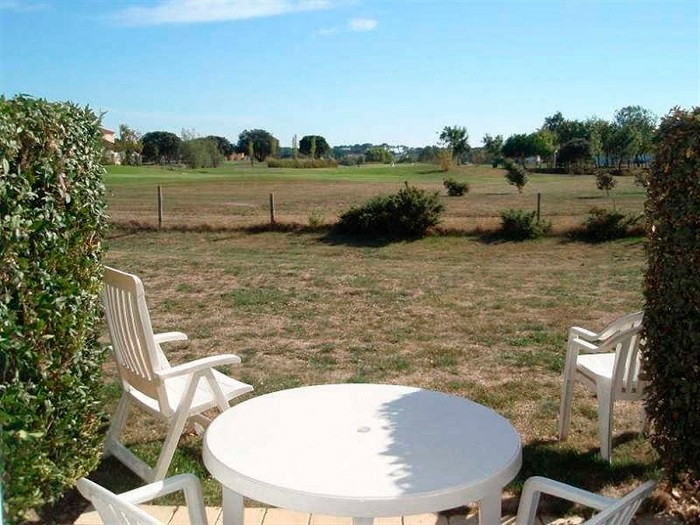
(232, 504)
(490, 510)
(362, 521)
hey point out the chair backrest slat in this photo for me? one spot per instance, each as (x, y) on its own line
(624, 509)
(626, 381)
(111, 508)
(131, 332)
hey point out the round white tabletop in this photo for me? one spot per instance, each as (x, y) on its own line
(362, 450)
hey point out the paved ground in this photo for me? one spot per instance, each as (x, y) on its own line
(261, 516)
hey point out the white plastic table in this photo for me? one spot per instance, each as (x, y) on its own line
(362, 450)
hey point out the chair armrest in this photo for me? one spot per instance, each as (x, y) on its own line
(586, 347)
(198, 365)
(167, 337)
(583, 333)
(537, 485)
(188, 483)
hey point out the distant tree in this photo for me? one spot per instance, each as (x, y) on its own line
(128, 144)
(493, 146)
(322, 149)
(257, 143)
(575, 152)
(598, 129)
(223, 145)
(457, 139)
(516, 174)
(638, 126)
(429, 154)
(378, 154)
(201, 153)
(161, 147)
(604, 181)
(518, 146)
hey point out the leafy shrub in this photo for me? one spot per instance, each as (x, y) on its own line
(672, 292)
(445, 159)
(604, 181)
(302, 163)
(604, 225)
(516, 174)
(454, 188)
(406, 214)
(201, 153)
(518, 225)
(52, 220)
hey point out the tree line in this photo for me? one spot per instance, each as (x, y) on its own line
(558, 142)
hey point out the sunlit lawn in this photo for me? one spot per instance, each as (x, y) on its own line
(454, 313)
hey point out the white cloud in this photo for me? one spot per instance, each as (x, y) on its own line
(200, 11)
(362, 24)
(23, 5)
(357, 25)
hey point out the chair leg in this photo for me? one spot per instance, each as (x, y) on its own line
(118, 422)
(605, 413)
(175, 428)
(565, 407)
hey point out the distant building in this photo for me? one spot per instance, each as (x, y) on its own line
(111, 156)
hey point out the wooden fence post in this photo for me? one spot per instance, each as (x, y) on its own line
(539, 201)
(272, 208)
(160, 207)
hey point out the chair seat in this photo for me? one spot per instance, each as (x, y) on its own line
(203, 397)
(596, 365)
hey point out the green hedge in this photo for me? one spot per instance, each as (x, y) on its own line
(52, 220)
(672, 291)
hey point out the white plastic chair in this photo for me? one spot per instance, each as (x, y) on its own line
(172, 393)
(608, 363)
(122, 509)
(612, 511)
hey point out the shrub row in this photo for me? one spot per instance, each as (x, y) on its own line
(302, 163)
(52, 221)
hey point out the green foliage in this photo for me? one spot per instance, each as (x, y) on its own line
(378, 154)
(604, 225)
(314, 146)
(302, 163)
(52, 221)
(574, 152)
(454, 188)
(161, 147)
(520, 146)
(201, 153)
(223, 145)
(129, 146)
(257, 143)
(493, 146)
(516, 174)
(456, 139)
(445, 159)
(605, 181)
(519, 225)
(672, 292)
(403, 215)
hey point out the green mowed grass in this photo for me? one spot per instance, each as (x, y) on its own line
(487, 321)
(236, 195)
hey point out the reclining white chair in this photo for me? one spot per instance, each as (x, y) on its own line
(612, 511)
(607, 363)
(172, 393)
(122, 509)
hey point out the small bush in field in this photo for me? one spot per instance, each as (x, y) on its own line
(604, 181)
(302, 163)
(604, 225)
(454, 188)
(403, 215)
(516, 174)
(518, 225)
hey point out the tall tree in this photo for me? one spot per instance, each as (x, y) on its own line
(161, 147)
(493, 146)
(223, 145)
(262, 144)
(128, 144)
(322, 149)
(638, 126)
(457, 139)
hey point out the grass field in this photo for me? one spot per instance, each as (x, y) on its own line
(236, 195)
(484, 320)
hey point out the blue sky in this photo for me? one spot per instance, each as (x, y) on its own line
(352, 71)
